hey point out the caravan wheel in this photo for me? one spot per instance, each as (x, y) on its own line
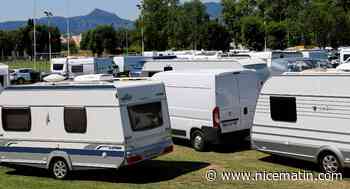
(329, 163)
(59, 168)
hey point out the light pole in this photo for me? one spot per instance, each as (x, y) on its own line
(141, 7)
(49, 15)
(34, 32)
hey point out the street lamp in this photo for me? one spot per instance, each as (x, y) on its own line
(49, 15)
(140, 6)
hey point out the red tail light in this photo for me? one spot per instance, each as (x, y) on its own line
(133, 159)
(216, 117)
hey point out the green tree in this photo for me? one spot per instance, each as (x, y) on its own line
(277, 35)
(253, 32)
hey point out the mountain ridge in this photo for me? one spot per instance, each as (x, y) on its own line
(80, 24)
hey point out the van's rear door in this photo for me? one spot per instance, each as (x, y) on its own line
(146, 122)
(227, 99)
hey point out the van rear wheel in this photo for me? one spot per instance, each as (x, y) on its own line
(198, 141)
(329, 163)
(59, 169)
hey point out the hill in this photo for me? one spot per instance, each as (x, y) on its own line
(78, 24)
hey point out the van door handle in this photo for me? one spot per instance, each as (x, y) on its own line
(1, 135)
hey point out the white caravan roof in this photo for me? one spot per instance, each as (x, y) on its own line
(4, 69)
(309, 84)
(177, 64)
(75, 94)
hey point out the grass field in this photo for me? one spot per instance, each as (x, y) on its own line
(184, 168)
(42, 66)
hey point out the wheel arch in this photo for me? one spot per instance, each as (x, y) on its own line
(59, 155)
(330, 149)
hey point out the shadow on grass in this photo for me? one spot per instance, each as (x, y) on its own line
(147, 172)
(226, 147)
(299, 164)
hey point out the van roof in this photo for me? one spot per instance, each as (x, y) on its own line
(212, 72)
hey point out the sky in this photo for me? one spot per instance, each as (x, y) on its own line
(12, 10)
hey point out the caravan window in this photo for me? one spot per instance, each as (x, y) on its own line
(16, 119)
(145, 116)
(78, 69)
(57, 67)
(283, 109)
(75, 120)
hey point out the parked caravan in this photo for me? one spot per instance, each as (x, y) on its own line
(127, 65)
(4, 75)
(154, 66)
(305, 116)
(269, 56)
(344, 55)
(71, 126)
(207, 106)
(81, 66)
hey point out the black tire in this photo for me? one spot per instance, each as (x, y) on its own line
(198, 141)
(20, 81)
(59, 168)
(329, 163)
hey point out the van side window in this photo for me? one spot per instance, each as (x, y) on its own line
(283, 109)
(145, 116)
(16, 119)
(75, 120)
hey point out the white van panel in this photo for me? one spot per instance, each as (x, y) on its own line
(228, 101)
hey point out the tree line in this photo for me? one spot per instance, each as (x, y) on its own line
(20, 42)
(286, 23)
(169, 24)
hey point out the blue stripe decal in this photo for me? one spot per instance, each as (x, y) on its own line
(82, 152)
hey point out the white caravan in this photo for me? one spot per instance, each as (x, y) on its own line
(305, 116)
(207, 106)
(4, 75)
(344, 53)
(81, 65)
(127, 65)
(152, 67)
(69, 126)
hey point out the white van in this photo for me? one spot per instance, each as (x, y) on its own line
(69, 126)
(152, 67)
(305, 116)
(205, 106)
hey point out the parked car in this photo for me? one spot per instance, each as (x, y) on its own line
(24, 75)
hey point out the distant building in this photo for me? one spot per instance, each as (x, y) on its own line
(75, 38)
